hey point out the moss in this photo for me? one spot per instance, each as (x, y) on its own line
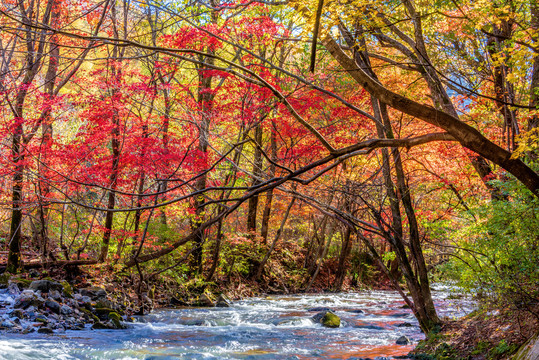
(480, 348)
(501, 349)
(68, 290)
(4, 278)
(103, 311)
(114, 316)
(90, 315)
(444, 351)
(331, 320)
(116, 320)
(22, 283)
(100, 326)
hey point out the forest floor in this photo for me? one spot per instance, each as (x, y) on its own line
(485, 334)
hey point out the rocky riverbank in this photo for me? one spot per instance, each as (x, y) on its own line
(48, 306)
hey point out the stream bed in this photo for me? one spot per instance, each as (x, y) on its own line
(275, 327)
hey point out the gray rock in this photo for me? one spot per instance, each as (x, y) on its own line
(45, 330)
(370, 327)
(319, 309)
(28, 329)
(55, 295)
(65, 310)
(54, 306)
(223, 301)
(45, 285)
(403, 340)
(33, 273)
(27, 299)
(6, 324)
(203, 301)
(13, 289)
(406, 324)
(94, 293)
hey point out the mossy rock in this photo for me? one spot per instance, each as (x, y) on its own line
(331, 320)
(204, 300)
(21, 283)
(68, 289)
(115, 318)
(101, 326)
(4, 278)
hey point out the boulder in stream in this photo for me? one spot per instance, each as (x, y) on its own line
(403, 340)
(327, 319)
(203, 301)
(319, 308)
(223, 301)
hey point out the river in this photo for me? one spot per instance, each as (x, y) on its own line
(276, 327)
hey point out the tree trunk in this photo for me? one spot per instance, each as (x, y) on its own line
(269, 195)
(257, 173)
(275, 240)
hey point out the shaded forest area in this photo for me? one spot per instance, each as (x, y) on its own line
(273, 146)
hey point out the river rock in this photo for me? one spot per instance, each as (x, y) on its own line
(223, 301)
(6, 324)
(203, 301)
(320, 308)
(28, 298)
(327, 319)
(65, 310)
(403, 340)
(45, 330)
(55, 295)
(18, 313)
(405, 324)
(370, 327)
(45, 285)
(53, 306)
(13, 289)
(94, 293)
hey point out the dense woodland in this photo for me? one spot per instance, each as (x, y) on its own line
(275, 143)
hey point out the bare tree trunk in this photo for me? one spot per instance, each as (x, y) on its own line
(275, 240)
(205, 100)
(117, 55)
(269, 195)
(345, 251)
(35, 42)
(257, 173)
(46, 126)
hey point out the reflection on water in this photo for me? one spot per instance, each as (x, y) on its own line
(258, 328)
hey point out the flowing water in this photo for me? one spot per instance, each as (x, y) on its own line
(277, 327)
